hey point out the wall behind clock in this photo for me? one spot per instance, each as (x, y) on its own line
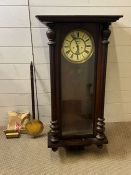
(16, 53)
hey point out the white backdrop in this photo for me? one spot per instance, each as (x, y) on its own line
(16, 54)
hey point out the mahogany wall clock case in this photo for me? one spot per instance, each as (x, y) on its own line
(78, 56)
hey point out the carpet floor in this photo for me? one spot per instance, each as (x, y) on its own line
(29, 156)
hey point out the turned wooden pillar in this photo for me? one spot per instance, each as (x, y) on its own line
(51, 34)
(100, 124)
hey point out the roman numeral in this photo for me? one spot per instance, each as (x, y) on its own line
(77, 34)
(86, 51)
(86, 40)
(71, 55)
(66, 46)
(67, 40)
(73, 36)
(67, 52)
(88, 45)
(82, 56)
(83, 35)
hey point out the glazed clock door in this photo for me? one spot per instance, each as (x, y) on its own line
(77, 82)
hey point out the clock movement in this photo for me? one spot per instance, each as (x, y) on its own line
(78, 55)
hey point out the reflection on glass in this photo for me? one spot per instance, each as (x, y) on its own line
(77, 81)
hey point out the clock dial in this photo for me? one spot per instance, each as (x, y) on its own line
(78, 46)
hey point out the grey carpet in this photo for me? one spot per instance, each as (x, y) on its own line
(28, 156)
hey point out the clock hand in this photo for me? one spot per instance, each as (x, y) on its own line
(77, 51)
(77, 45)
(78, 48)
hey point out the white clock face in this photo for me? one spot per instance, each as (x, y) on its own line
(78, 46)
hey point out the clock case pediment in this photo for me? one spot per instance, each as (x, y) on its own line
(58, 28)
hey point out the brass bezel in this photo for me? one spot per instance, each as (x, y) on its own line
(88, 57)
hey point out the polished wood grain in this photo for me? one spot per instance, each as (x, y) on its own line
(78, 18)
(58, 27)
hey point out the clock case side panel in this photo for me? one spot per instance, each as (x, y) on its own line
(104, 33)
(55, 88)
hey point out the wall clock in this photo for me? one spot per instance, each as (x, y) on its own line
(78, 54)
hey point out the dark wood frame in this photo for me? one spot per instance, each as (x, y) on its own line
(53, 23)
